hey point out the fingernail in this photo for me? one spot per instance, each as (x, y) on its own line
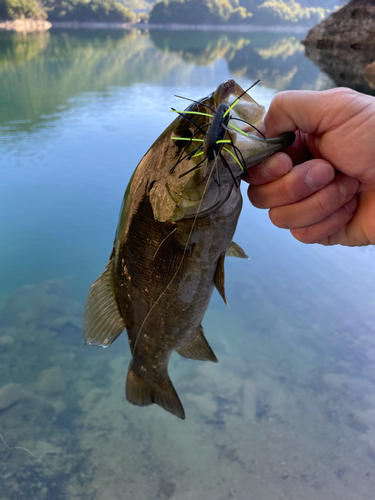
(276, 166)
(318, 175)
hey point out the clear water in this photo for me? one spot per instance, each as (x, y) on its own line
(289, 410)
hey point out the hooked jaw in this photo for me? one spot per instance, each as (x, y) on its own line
(255, 149)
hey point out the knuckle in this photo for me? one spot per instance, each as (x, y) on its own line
(278, 219)
(255, 196)
(328, 200)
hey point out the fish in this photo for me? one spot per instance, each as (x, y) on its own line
(176, 226)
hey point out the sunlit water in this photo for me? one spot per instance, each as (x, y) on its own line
(289, 410)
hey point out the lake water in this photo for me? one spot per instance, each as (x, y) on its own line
(289, 410)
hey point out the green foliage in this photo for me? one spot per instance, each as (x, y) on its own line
(145, 5)
(16, 9)
(198, 12)
(235, 12)
(288, 11)
(88, 10)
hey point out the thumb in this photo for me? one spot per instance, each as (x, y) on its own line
(311, 112)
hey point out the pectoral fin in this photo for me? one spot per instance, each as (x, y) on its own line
(198, 348)
(235, 250)
(102, 322)
(220, 277)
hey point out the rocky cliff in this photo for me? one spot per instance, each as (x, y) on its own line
(352, 26)
(343, 45)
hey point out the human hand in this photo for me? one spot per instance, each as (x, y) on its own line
(323, 187)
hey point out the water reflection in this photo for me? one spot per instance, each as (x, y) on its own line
(275, 58)
(40, 73)
(345, 67)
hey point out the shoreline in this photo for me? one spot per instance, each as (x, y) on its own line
(180, 27)
(25, 25)
(30, 25)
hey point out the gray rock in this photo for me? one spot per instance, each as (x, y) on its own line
(365, 418)
(51, 381)
(352, 26)
(343, 44)
(10, 394)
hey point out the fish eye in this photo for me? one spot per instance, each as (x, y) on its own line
(186, 133)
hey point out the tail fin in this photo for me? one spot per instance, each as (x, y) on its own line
(142, 392)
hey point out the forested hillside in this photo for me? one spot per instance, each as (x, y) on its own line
(260, 12)
(67, 10)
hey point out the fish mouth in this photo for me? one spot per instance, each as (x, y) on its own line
(247, 141)
(255, 149)
(215, 140)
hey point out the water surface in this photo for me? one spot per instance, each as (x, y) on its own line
(289, 410)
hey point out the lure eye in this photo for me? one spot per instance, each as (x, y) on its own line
(187, 134)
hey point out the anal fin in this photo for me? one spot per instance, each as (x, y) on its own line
(235, 250)
(220, 277)
(198, 348)
(141, 392)
(102, 321)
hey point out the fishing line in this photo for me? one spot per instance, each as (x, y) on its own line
(179, 266)
(197, 102)
(239, 97)
(170, 234)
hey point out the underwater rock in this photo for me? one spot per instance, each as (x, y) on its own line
(5, 338)
(343, 381)
(51, 381)
(10, 394)
(369, 400)
(365, 418)
(59, 406)
(218, 380)
(369, 372)
(337, 380)
(36, 307)
(204, 403)
(13, 393)
(249, 401)
(42, 448)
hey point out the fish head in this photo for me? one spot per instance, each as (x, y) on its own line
(203, 153)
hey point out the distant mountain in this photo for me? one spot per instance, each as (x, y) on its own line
(261, 13)
(67, 10)
(87, 10)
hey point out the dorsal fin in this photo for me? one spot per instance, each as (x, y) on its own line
(220, 277)
(235, 250)
(198, 348)
(102, 321)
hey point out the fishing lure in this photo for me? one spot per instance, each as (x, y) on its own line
(214, 138)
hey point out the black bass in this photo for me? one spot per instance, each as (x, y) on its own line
(177, 221)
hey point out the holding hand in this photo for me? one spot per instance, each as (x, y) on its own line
(323, 187)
